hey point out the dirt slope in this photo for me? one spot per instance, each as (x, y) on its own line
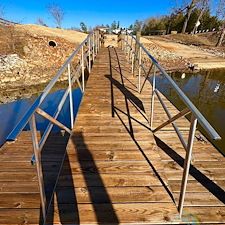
(69, 35)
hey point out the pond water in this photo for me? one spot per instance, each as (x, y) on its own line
(206, 89)
(11, 113)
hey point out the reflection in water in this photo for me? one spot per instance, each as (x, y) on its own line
(206, 90)
(11, 113)
(15, 94)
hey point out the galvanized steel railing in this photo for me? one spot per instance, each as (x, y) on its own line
(130, 45)
(87, 50)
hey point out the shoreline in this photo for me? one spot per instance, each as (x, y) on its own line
(203, 58)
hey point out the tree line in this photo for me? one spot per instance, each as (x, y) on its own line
(189, 15)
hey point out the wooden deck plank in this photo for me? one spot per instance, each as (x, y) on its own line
(112, 157)
(111, 167)
(106, 213)
(141, 194)
(209, 215)
(111, 180)
(20, 200)
(20, 216)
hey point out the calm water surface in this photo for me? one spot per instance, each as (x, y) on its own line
(206, 90)
(11, 113)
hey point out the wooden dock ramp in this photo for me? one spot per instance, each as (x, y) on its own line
(112, 173)
(113, 170)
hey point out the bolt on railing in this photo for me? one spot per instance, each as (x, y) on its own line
(89, 49)
(196, 116)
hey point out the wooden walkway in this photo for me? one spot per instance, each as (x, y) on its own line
(115, 171)
(113, 174)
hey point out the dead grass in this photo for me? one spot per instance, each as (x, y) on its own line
(12, 41)
(199, 40)
(37, 30)
(13, 38)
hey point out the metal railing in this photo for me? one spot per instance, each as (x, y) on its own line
(134, 52)
(7, 22)
(87, 50)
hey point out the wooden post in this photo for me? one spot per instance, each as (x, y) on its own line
(137, 48)
(102, 41)
(119, 39)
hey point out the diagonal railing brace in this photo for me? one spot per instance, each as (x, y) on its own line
(53, 120)
(180, 114)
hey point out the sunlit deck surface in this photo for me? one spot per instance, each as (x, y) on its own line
(115, 171)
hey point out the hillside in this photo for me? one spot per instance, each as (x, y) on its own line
(199, 49)
(37, 30)
(13, 38)
(27, 57)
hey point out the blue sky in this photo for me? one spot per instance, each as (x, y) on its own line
(103, 12)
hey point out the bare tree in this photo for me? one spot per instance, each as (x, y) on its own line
(57, 13)
(221, 14)
(189, 9)
(41, 22)
(185, 6)
(202, 5)
(2, 11)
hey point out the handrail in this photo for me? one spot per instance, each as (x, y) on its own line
(196, 116)
(93, 44)
(205, 124)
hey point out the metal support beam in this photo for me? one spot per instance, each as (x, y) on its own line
(139, 72)
(180, 136)
(187, 162)
(153, 97)
(37, 155)
(70, 97)
(180, 114)
(93, 48)
(146, 75)
(132, 62)
(82, 62)
(51, 119)
(89, 55)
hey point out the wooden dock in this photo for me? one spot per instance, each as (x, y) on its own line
(115, 171)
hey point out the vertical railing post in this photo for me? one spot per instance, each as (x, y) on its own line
(82, 60)
(137, 47)
(96, 50)
(153, 98)
(187, 162)
(93, 48)
(96, 43)
(124, 47)
(139, 72)
(89, 55)
(131, 48)
(132, 63)
(99, 44)
(37, 155)
(127, 46)
(71, 97)
(122, 36)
